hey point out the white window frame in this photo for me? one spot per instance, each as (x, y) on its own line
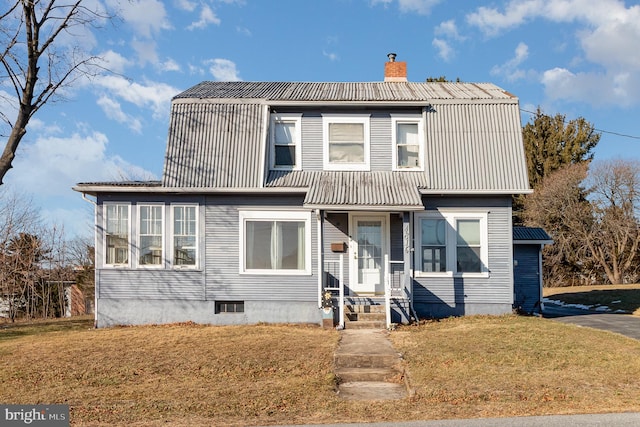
(363, 119)
(245, 216)
(451, 240)
(286, 118)
(105, 206)
(412, 119)
(195, 266)
(139, 207)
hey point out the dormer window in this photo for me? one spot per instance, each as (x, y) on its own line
(346, 142)
(408, 142)
(285, 141)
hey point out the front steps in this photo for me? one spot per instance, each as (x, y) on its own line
(368, 367)
(365, 316)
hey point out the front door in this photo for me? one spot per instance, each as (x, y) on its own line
(369, 245)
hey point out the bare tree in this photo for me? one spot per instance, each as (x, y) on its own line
(40, 55)
(614, 238)
(560, 206)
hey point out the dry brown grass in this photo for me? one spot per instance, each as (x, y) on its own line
(260, 375)
(616, 297)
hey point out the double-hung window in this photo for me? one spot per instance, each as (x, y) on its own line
(285, 141)
(408, 142)
(346, 142)
(150, 235)
(275, 242)
(185, 235)
(116, 234)
(451, 243)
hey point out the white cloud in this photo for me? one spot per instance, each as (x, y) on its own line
(187, 5)
(448, 29)
(244, 31)
(146, 17)
(223, 69)
(422, 7)
(608, 33)
(511, 69)
(331, 55)
(207, 16)
(113, 110)
(52, 165)
(156, 96)
(445, 51)
(169, 65)
(114, 62)
(146, 51)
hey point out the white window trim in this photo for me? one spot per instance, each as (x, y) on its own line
(139, 206)
(451, 242)
(104, 235)
(275, 216)
(171, 254)
(286, 117)
(346, 118)
(407, 118)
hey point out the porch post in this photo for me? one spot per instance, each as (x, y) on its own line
(320, 256)
(407, 247)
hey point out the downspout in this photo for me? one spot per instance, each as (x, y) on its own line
(95, 270)
(411, 265)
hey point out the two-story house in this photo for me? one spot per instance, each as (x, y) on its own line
(393, 193)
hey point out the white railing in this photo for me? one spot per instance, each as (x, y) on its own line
(334, 282)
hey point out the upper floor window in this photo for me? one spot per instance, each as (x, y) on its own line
(285, 141)
(185, 235)
(150, 241)
(451, 243)
(117, 231)
(408, 142)
(346, 142)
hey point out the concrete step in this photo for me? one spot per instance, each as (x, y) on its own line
(366, 324)
(347, 375)
(357, 317)
(372, 391)
(364, 308)
(364, 360)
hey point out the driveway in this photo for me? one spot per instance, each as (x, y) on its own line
(624, 324)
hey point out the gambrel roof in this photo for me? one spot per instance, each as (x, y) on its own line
(218, 141)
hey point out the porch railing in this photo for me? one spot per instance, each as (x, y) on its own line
(334, 282)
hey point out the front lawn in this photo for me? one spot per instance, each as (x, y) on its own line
(190, 375)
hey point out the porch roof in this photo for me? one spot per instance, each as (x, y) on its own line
(382, 190)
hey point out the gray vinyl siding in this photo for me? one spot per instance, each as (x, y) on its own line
(380, 150)
(223, 277)
(336, 229)
(312, 141)
(150, 284)
(498, 287)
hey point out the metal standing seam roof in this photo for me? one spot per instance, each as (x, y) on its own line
(473, 141)
(355, 190)
(530, 234)
(345, 91)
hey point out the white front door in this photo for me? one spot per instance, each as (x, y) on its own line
(368, 248)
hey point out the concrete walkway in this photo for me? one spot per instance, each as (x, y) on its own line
(368, 367)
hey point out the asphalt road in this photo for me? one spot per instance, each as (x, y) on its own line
(624, 324)
(627, 419)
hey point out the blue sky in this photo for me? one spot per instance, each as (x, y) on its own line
(575, 57)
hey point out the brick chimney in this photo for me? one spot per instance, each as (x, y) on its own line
(395, 71)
